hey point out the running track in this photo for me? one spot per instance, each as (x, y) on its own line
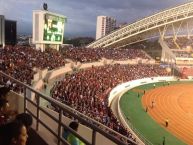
(174, 102)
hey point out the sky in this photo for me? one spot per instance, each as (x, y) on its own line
(81, 14)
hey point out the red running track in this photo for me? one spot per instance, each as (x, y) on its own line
(174, 103)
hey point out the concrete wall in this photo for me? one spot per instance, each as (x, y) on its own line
(16, 102)
(132, 84)
(69, 67)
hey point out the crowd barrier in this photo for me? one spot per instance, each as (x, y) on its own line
(51, 123)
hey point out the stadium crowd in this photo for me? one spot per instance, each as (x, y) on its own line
(13, 59)
(90, 55)
(184, 41)
(171, 43)
(181, 46)
(87, 90)
(20, 63)
(181, 42)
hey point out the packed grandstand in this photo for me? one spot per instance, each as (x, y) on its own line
(85, 90)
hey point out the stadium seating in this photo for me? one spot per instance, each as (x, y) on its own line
(87, 90)
(90, 55)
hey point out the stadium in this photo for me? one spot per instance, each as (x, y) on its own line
(132, 86)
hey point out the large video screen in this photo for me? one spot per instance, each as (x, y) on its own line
(53, 28)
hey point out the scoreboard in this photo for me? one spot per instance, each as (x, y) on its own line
(48, 28)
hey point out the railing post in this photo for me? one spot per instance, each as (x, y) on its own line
(93, 137)
(59, 125)
(25, 95)
(38, 113)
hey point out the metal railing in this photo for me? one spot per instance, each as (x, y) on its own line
(95, 126)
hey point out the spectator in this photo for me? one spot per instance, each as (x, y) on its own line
(13, 133)
(3, 92)
(6, 114)
(71, 138)
(26, 119)
(3, 107)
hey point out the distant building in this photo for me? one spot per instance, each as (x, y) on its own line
(2, 30)
(104, 26)
(8, 32)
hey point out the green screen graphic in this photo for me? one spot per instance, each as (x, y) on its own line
(53, 28)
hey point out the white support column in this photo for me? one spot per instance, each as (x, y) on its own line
(162, 32)
(188, 31)
(178, 29)
(174, 32)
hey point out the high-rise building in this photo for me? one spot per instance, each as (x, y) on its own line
(8, 31)
(2, 30)
(104, 26)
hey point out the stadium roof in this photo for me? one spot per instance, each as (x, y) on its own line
(136, 30)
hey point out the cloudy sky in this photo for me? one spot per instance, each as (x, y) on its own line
(81, 14)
